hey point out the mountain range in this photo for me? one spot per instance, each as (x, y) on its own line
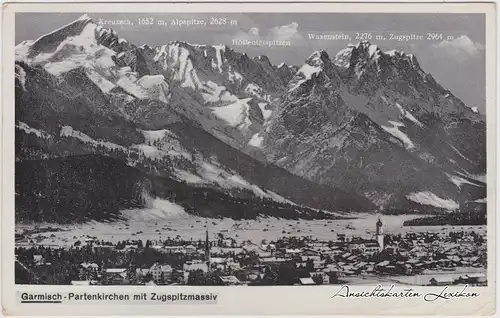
(103, 124)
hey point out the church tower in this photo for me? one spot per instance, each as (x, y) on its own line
(380, 235)
(207, 251)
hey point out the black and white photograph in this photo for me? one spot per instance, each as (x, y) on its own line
(250, 149)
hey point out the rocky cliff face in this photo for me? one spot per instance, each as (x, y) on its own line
(374, 122)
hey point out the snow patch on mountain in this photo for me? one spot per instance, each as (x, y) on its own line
(155, 86)
(239, 181)
(182, 59)
(154, 135)
(234, 76)
(151, 80)
(394, 131)
(212, 173)
(29, 130)
(22, 50)
(459, 181)
(191, 78)
(405, 113)
(408, 115)
(101, 82)
(128, 81)
(266, 113)
(21, 76)
(219, 49)
(429, 198)
(481, 178)
(391, 52)
(256, 91)
(188, 177)
(149, 151)
(158, 153)
(216, 93)
(235, 114)
(343, 58)
(68, 131)
(380, 198)
(304, 74)
(161, 143)
(252, 89)
(157, 209)
(256, 140)
(58, 68)
(460, 154)
(477, 177)
(372, 49)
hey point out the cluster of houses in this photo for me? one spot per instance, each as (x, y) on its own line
(469, 279)
(325, 261)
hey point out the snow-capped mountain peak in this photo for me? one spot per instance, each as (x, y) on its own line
(370, 49)
(318, 58)
(343, 58)
(316, 64)
(84, 17)
(402, 57)
(51, 41)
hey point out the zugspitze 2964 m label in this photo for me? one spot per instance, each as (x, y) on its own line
(302, 159)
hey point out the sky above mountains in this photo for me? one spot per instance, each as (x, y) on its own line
(449, 46)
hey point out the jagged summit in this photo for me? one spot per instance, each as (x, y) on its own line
(366, 52)
(343, 58)
(367, 46)
(399, 54)
(353, 54)
(318, 57)
(186, 44)
(84, 17)
(264, 59)
(81, 36)
(49, 42)
(316, 64)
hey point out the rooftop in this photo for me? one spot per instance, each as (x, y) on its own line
(115, 270)
(307, 281)
(443, 279)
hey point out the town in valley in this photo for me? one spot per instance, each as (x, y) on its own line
(439, 257)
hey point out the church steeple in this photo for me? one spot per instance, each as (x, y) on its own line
(207, 251)
(379, 227)
(380, 235)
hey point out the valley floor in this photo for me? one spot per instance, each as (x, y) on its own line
(147, 224)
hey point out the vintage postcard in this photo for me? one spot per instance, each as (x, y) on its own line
(234, 158)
